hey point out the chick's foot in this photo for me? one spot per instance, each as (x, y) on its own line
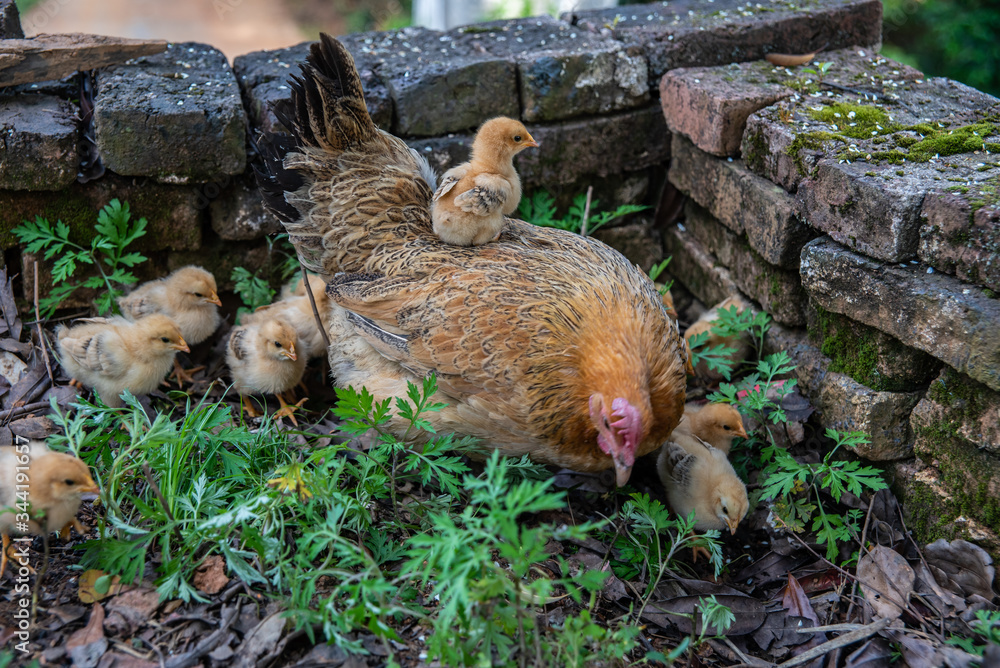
(287, 409)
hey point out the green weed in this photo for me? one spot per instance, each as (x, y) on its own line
(540, 209)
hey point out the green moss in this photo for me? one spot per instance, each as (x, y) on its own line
(858, 121)
(755, 150)
(810, 141)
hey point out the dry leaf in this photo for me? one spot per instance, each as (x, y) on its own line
(96, 585)
(210, 576)
(789, 60)
(886, 580)
(796, 602)
(961, 567)
(86, 646)
(750, 613)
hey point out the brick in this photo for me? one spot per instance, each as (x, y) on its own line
(777, 290)
(954, 322)
(844, 404)
(868, 355)
(238, 213)
(563, 71)
(742, 201)
(697, 269)
(638, 242)
(38, 138)
(960, 231)
(199, 130)
(692, 33)
(710, 105)
(263, 77)
(10, 21)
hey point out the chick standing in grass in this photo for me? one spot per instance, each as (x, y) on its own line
(112, 355)
(716, 424)
(469, 206)
(188, 297)
(54, 484)
(705, 323)
(295, 309)
(262, 357)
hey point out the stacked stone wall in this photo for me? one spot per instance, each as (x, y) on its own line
(861, 211)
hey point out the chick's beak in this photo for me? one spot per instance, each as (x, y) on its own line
(290, 352)
(181, 346)
(91, 487)
(531, 142)
(214, 299)
(732, 522)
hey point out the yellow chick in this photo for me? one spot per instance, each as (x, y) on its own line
(188, 297)
(295, 309)
(470, 203)
(112, 355)
(705, 323)
(262, 358)
(703, 481)
(716, 424)
(51, 483)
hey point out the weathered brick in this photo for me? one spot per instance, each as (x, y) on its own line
(693, 33)
(742, 201)
(639, 242)
(38, 139)
(868, 355)
(710, 105)
(777, 290)
(238, 213)
(10, 21)
(844, 404)
(938, 314)
(697, 269)
(960, 232)
(176, 116)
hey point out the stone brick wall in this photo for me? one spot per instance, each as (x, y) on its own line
(861, 213)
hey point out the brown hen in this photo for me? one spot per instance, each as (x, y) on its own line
(543, 342)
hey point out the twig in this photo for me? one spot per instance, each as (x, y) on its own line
(41, 334)
(864, 536)
(156, 649)
(836, 643)
(193, 658)
(312, 302)
(586, 211)
(21, 410)
(163, 502)
(920, 553)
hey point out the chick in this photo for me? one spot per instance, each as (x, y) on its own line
(705, 322)
(716, 424)
(296, 310)
(470, 204)
(703, 481)
(188, 297)
(53, 486)
(262, 358)
(112, 355)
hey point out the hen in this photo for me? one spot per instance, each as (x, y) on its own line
(52, 483)
(262, 358)
(544, 342)
(716, 424)
(469, 206)
(112, 355)
(702, 479)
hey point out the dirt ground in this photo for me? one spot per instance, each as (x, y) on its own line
(233, 26)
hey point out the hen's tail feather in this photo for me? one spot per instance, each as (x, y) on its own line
(273, 179)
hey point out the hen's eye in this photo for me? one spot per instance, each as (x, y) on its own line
(164, 339)
(726, 427)
(517, 137)
(277, 344)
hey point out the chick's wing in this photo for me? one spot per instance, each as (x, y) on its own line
(489, 195)
(97, 348)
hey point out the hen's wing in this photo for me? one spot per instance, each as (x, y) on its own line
(341, 186)
(449, 179)
(489, 195)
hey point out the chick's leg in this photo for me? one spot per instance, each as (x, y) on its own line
(287, 409)
(183, 375)
(72, 524)
(10, 553)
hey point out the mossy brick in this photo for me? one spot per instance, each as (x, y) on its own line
(953, 321)
(932, 512)
(174, 213)
(176, 116)
(843, 403)
(692, 33)
(639, 242)
(238, 213)
(38, 137)
(777, 290)
(697, 269)
(10, 21)
(263, 77)
(710, 105)
(742, 201)
(960, 230)
(563, 71)
(868, 355)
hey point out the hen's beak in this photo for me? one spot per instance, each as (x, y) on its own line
(290, 352)
(181, 346)
(622, 471)
(214, 299)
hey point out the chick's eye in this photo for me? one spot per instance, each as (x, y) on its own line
(726, 427)
(725, 511)
(277, 344)
(164, 339)
(198, 294)
(69, 481)
(517, 137)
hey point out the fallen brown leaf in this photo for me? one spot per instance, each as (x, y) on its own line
(96, 585)
(87, 645)
(886, 580)
(210, 576)
(790, 60)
